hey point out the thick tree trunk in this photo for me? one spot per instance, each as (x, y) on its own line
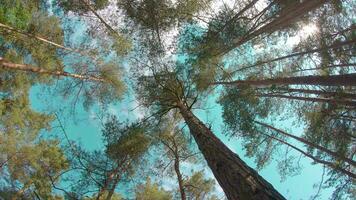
(34, 69)
(310, 144)
(322, 100)
(180, 179)
(239, 181)
(332, 80)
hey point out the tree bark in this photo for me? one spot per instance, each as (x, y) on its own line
(332, 80)
(310, 144)
(322, 100)
(237, 179)
(38, 70)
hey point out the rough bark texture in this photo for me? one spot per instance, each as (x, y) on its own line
(333, 80)
(237, 179)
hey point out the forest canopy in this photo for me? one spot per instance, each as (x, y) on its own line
(184, 99)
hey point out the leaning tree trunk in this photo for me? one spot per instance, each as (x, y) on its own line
(332, 80)
(236, 178)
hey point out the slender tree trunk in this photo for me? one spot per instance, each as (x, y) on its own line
(332, 80)
(110, 28)
(112, 190)
(333, 46)
(326, 67)
(29, 35)
(38, 70)
(311, 99)
(180, 179)
(319, 92)
(310, 144)
(237, 179)
(286, 17)
(315, 159)
(323, 100)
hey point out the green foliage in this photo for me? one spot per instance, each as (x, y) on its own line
(80, 6)
(160, 14)
(148, 191)
(241, 107)
(199, 188)
(125, 142)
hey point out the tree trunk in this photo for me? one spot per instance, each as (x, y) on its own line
(286, 17)
(239, 181)
(322, 100)
(333, 46)
(345, 65)
(315, 159)
(180, 179)
(310, 144)
(319, 92)
(29, 35)
(34, 69)
(332, 80)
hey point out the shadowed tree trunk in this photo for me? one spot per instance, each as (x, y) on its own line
(332, 80)
(236, 178)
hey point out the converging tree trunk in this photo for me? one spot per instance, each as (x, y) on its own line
(332, 80)
(237, 179)
(34, 69)
(302, 53)
(315, 159)
(286, 17)
(312, 99)
(42, 39)
(319, 93)
(310, 144)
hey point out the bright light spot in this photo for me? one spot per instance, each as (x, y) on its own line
(308, 30)
(305, 31)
